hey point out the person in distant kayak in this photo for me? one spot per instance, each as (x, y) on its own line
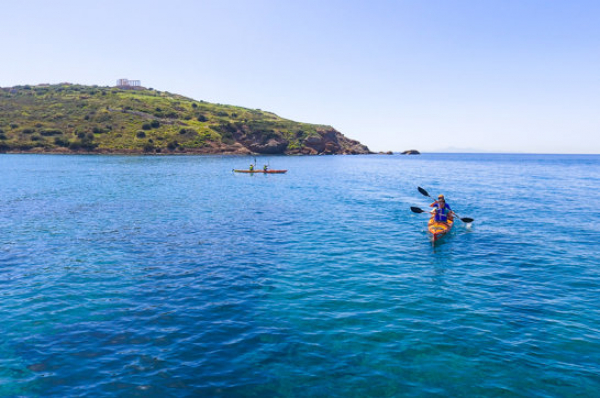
(441, 210)
(251, 167)
(265, 168)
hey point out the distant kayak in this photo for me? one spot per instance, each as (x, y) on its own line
(438, 229)
(260, 171)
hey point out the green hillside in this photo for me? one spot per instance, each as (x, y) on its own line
(73, 118)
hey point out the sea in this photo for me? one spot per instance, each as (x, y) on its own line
(172, 276)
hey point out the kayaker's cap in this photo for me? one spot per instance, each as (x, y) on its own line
(441, 197)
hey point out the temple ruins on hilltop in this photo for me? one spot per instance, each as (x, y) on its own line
(127, 84)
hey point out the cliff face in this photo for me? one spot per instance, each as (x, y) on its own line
(332, 141)
(70, 118)
(326, 141)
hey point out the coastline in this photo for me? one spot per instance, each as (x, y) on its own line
(184, 152)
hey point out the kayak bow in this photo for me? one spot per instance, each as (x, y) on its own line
(438, 229)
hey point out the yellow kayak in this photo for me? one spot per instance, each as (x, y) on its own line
(258, 171)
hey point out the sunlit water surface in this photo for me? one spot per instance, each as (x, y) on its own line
(172, 276)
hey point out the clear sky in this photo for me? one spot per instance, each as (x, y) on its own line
(435, 75)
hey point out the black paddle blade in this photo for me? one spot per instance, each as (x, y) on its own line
(467, 220)
(423, 192)
(416, 210)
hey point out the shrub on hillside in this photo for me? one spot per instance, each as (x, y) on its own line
(84, 144)
(61, 142)
(141, 134)
(224, 127)
(188, 132)
(227, 138)
(51, 132)
(172, 145)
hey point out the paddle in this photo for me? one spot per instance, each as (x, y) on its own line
(423, 192)
(466, 220)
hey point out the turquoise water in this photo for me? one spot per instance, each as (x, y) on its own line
(172, 276)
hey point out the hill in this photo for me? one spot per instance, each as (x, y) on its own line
(68, 118)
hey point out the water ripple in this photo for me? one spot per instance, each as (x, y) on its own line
(170, 276)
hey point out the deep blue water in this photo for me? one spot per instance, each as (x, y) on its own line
(172, 276)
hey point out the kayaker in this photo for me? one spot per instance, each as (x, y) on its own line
(441, 210)
(251, 167)
(265, 167)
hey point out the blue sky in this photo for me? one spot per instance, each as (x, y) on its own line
(490, 76)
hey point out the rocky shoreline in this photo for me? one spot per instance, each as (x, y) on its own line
(331, 142)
